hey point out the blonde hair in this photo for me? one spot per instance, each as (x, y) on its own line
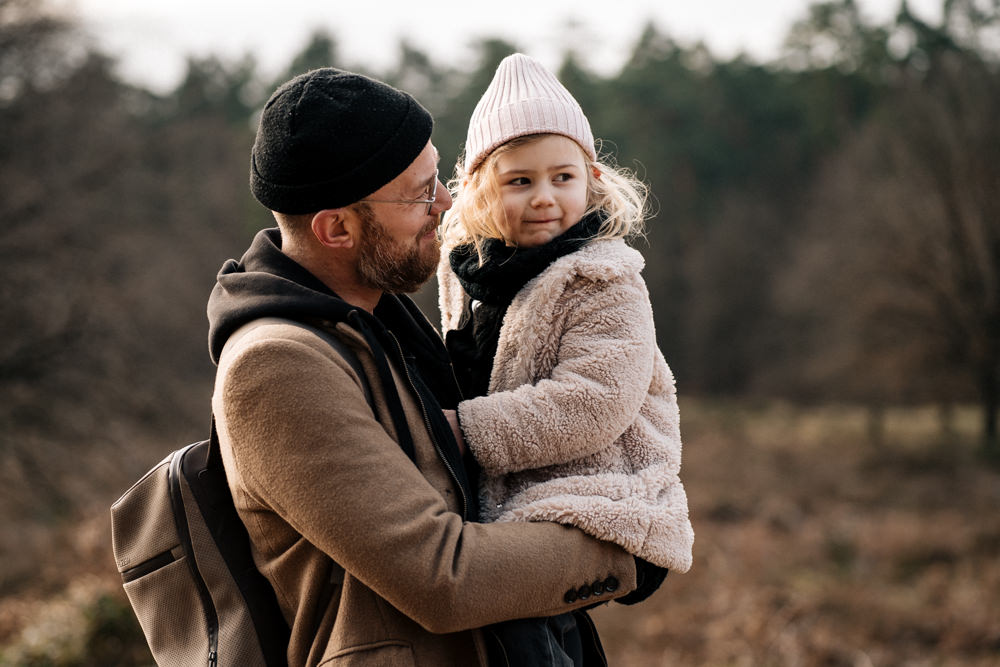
(477, 213)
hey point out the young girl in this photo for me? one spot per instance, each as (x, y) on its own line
(569, 406)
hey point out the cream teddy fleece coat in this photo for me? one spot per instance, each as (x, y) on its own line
(581, 425)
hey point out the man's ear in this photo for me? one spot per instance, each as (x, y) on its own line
(333, 229)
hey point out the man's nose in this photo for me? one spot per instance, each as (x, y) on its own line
(442, 201)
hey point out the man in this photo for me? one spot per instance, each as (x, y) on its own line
(360, 507)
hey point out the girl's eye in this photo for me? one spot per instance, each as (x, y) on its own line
(520, 180)
(563, 177)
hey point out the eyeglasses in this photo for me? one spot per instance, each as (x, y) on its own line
(431, 188)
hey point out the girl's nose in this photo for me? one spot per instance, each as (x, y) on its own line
(542, 197)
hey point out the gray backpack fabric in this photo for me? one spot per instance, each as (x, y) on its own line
(185, 561)
(186, 565)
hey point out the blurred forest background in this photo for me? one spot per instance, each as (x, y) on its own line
(824, 266)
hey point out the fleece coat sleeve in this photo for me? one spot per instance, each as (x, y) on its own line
(603, 366)
(305, 446)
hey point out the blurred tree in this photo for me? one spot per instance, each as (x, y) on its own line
(211, 87)
(416, 74)
(37, 47)
(836, 34)
(947, 144)
(729, 149)
(319, 51)
(903, 259)
(975, 25)
(649, 116)
(113, 229)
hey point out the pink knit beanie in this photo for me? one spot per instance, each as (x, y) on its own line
(524, 98)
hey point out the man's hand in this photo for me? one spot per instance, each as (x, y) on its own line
(452, 417)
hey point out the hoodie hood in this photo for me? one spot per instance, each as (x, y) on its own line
(265, 282)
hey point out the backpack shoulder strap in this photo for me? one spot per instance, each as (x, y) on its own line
(205, 476)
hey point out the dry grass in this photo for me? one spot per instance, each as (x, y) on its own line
(813, 547)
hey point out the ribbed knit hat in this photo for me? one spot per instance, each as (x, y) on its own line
(328, 138)
(524, 98)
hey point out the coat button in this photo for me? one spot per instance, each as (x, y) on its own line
(570, 596)
(583, 592)
(597, 587)
(610, 584)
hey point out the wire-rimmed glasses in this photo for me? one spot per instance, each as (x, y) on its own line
(431, 188)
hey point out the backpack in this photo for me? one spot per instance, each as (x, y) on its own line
(186, 565)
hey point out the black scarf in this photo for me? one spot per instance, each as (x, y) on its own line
(505, 271)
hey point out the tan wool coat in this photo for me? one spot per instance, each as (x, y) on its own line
(581, 424)
(366, 550)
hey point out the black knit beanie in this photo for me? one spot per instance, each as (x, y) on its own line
(328, 138)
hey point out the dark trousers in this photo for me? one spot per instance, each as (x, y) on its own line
(566, 640)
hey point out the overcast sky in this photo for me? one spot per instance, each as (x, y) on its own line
(151, 38)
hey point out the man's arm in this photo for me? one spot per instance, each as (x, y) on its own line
(306, 444)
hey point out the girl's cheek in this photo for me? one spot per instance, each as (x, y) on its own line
(508, 215)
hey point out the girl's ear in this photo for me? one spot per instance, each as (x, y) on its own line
(332, 228)
(597, 173)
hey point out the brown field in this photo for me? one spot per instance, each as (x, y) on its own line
(813, 547)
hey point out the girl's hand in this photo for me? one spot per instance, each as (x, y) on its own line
(452, 417)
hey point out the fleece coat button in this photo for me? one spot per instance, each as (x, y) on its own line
(610, 584)
(597, 587)
(583, 592)
(570, 596)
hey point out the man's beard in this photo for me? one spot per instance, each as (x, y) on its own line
(387, 265)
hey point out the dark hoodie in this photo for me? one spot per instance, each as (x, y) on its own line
(265, 282)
